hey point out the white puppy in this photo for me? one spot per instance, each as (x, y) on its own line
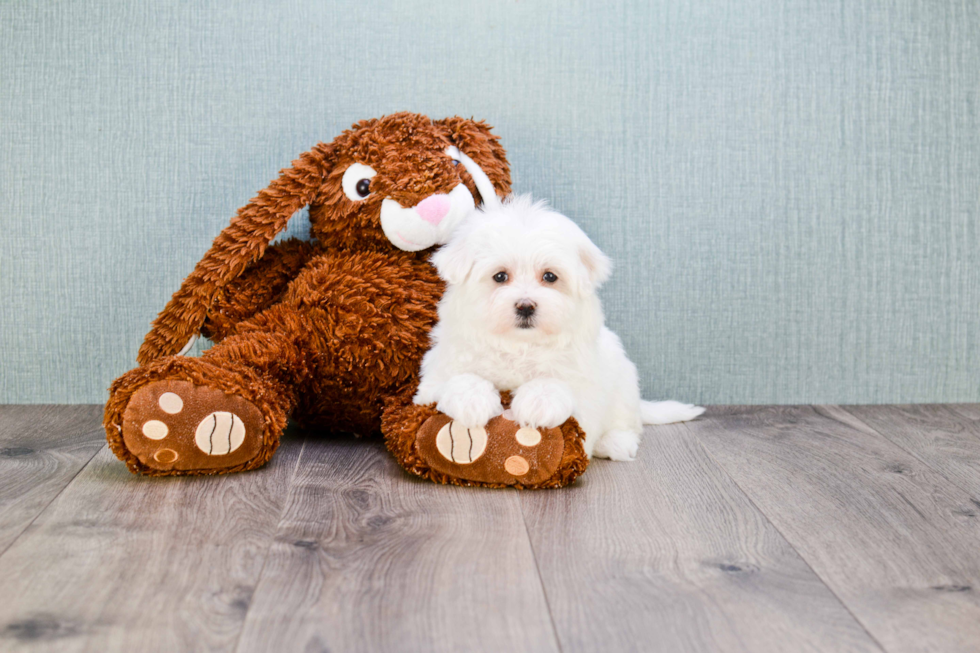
(520, 313)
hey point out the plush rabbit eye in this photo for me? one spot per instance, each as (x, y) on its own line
(549, 277)
(500, 277)
(357, 181)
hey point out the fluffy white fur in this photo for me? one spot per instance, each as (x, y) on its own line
(558, 359)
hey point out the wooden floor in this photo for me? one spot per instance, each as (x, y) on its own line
(751, 529)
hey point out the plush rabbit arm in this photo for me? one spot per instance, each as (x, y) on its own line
(241, 243)
(260, 286)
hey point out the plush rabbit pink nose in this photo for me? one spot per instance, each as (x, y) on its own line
(433, 208)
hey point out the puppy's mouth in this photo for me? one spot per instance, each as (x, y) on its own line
(525, 323)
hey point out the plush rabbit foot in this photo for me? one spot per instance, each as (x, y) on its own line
(172, 418)
(176, 425)
(432, 445)
(500, 453)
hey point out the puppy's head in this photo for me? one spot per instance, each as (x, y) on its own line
(521, 270)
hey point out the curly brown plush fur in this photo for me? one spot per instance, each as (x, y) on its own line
(330, 332)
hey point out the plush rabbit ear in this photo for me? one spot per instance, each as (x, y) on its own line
(241, 243)
(483, 184)
(475, 140)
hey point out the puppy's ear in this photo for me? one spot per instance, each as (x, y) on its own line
(597, 265)
(475, 139)
(454, 261)
(238, 246)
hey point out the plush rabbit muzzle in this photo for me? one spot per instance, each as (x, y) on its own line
(433, 220)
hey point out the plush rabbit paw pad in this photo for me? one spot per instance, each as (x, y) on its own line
(501, 452)
(176, 425)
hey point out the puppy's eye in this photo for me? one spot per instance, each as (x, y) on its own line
(500, 277)
(549, 277)
(357, 181)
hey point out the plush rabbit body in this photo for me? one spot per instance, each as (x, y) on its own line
(329, 331)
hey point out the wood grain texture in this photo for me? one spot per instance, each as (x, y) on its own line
(123, 563)
(894, 540)
(41, 450)
(947, 438)
(667, 554)
(369, 559)
(751, 529)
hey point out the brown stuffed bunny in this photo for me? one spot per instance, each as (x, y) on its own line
(331, 331)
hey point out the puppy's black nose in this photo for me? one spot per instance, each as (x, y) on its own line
(525, 309)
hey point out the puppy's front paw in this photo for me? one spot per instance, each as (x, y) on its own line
(470, 400)
(543, 402)
(617, 445)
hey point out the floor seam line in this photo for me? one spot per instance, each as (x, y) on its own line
(272, 542)
(926, 463)
(802, 558)
(53, 499)
(537, 569)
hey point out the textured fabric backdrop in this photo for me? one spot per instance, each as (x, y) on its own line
(789, 188)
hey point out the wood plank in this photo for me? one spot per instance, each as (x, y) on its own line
(946, 439)
(667, 554)
(121, 562)
(969, 411)
(41, 450)
(891, 537)
(370, 559)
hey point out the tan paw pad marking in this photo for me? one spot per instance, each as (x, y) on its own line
(516, 466)
(528, 437)
(461, 445)
(165, 456)
(220, 433)
(155, 429)
(171, 403)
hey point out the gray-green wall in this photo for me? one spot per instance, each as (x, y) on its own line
(790, 189)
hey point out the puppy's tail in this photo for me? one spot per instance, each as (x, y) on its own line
(668, 412)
